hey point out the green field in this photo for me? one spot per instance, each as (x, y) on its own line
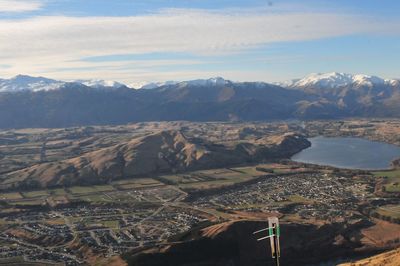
(11, 261)
(58, 192)
(218, 180)
(249, 171)
(28, 202)
(390, 211)
(393, 187)
(34, 194)
(120, 190)
(136, 183)
(90, 189)
(299, 199)
(96, 198)
(111, 224)
(389, 174)
(186, 178)
(392, 184)
(10, 196)
(213, 178)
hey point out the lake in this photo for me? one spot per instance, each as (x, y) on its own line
(351, 153)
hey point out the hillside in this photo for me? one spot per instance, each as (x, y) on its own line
(233, 244)
(163, 152)
(390, 258)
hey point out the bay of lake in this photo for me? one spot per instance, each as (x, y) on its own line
(350, 153)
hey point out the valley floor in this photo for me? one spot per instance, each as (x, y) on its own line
(95, 224)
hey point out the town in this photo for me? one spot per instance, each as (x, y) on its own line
(110, 220)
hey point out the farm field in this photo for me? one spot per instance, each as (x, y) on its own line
(129, 189)
(392, 184)
(390, 211)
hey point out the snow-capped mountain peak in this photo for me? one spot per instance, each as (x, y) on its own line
(394, 82)
(313, 81)
(326, 80)
(335, 80)
(29, 83)
(217, 81)
(153, 85)
(24, 82)
(368, 80)
(98, 83)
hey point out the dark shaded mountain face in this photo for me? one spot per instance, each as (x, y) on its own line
(75, 104)
(234, 244)
(379, 100)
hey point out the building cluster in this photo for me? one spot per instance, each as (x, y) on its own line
(57, 236)
(307, 194)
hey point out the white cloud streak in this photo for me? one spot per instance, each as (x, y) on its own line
(31, 45)
(18, 6)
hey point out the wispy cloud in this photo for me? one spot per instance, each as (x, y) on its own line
(17, 6)
(32, 44)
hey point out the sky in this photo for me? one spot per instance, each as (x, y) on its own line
(139, 41)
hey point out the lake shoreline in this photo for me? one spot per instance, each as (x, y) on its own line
(350, 153)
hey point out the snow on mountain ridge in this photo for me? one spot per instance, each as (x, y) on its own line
(394, 82)
(23, 82)
(315, 80)
(216, 81)
(153, 85)
(98, 83)
(335, 80)
(369, 80)
(329, 80)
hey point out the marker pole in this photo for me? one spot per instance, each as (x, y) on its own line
(276, 245)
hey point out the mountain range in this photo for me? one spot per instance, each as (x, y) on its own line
(336, 80)
(40, 102)
(28, 83)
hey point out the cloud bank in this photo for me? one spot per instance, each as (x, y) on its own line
(33, 45)
(18, 6)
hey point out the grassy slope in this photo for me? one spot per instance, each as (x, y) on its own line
(391, 258)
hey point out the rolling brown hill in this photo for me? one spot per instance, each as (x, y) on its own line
(163, 152)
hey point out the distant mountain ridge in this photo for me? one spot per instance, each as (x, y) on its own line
(337, 80)
(99, 83)
(24, 82)
(41, 102)
(316, 80)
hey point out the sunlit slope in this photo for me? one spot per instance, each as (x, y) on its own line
(163, 152)
(390, 258)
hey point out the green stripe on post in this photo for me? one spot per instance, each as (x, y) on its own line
(278, 231)
(271, 231)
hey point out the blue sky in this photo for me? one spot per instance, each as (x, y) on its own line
(152, 40)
